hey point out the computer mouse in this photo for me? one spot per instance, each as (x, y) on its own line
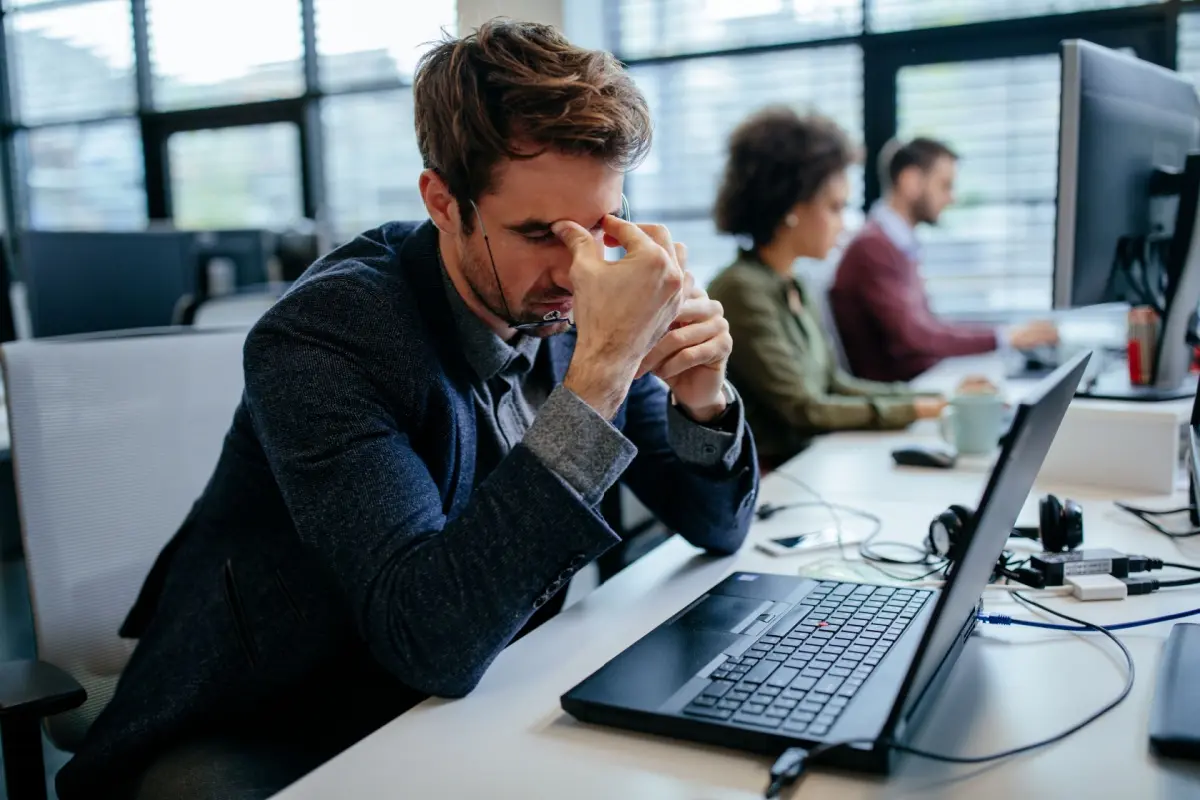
(925, 456)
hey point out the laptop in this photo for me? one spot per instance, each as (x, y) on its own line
(763, 662)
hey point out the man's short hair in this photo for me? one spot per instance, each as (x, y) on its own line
(513, 90)
(922, 153)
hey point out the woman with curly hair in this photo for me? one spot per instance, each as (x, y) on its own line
(784, 191)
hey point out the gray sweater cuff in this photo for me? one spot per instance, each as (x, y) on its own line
(707, 446)
(579, 445)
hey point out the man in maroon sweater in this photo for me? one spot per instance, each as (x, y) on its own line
(878, 298)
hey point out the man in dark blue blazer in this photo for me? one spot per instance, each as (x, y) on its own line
(413, 474)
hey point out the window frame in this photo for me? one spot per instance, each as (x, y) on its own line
(1150, 30)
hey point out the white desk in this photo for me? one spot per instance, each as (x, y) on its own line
(511, 739)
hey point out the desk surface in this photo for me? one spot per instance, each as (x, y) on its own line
(510, 738)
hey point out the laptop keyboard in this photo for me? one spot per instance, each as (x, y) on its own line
(800, 675)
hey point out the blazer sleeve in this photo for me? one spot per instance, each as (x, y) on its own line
(711, 507)
(789, 382)
(888, 295)
(435, 599)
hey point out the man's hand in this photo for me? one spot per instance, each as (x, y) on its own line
(622, 308)
(1039, 333)
(929, 407)
(691, 358)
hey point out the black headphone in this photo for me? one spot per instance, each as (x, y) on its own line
(1060, 528)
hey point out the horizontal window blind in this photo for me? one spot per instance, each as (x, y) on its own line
(894, 15)
(71, 62)
(697, 102)
(224, 51)
(371, 161)
(84, 177)
(363, 42)
(668, 27)
(1188, 53)
(993, 249)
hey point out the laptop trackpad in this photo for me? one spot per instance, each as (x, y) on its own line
(723, 613)
(646, 675)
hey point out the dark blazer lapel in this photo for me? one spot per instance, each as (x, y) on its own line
(423, 271)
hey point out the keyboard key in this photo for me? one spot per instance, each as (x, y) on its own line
(785, 649)
(817, 730)
(769, 691)
(846, 692)
(754, 708)
(738, 695)
(808, 705)
(858, 648)
(732, 705)
(711, 712)
(821, 664)
(838, 702)
(717, 689)
(818, 697)
(804, 682)
(890, 637)
(795, 726)
(852, 630)
(777, 713)
(824, 719)
(769, 640)
(843, 589)
(811, 649)
(761, 672)
(812, 672)
(860, 673)
(798, 661)
(754, 719)
(783, 702)
(827, 685)
(831, 651)
(803, 716)
(871, 661)
(776, 657)
(783, 676)
(877, 628)
(839, 672)
(704, 701)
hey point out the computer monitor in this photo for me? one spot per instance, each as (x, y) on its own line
(82, 282)
(1126, 130)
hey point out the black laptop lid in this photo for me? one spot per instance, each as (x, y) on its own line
(1034, 426)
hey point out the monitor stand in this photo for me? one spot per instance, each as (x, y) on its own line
(1114, 385)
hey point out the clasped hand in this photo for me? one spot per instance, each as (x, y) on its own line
(643, 314)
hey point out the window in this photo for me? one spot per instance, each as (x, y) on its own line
(224, 51)
(696, 103)
(84, 177)
(1188, 59)
(372, 164)
(236, 177)
(993, 250)
(668, 27)
(363, 42)
(892, 15)
(73, 62)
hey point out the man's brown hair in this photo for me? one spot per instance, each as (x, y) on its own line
(514, 90)
(922, 153)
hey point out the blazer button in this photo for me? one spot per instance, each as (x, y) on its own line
(565, 575)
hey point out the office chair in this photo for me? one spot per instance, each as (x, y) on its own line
(113, 440)
(242, 307)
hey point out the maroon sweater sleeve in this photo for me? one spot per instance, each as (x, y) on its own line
(891, 292)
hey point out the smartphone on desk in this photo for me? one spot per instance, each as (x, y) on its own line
(798, 544)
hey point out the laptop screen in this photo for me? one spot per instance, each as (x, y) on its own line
(1033, 429)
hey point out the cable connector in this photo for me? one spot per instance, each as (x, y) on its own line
(787, 770)
(1141, 585)
(1144, 564)
(994, 619)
